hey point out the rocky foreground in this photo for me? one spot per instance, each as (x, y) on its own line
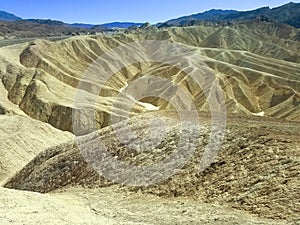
(256, 171)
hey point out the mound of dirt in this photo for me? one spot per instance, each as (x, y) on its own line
(257, 168)
(22, 138)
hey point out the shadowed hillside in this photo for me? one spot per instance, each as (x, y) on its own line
(287, 14)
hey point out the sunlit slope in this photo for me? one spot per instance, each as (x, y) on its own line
(22, 138)
(256, 64)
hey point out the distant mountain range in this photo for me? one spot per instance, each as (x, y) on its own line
(40, 28)
(14, 26)
(8, 17)
(82, 25)
(118, 25)
(121, 25)
(214, 14)
(288, 14)
(4, 16)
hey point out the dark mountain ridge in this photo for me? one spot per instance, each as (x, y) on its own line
(123, 25)
(288, 14)
(8, 17)
(5, 16)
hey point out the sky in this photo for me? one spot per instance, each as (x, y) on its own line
(103, 11)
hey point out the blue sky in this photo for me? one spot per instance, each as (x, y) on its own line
(102, 11)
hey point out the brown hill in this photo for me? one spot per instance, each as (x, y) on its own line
(35, 29)
(256, 169)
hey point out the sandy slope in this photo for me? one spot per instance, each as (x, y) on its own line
(6, 106)
(22, 138)
(256, 65)
(30, 208)
(113, 206)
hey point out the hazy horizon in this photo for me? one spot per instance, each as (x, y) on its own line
(99, 12)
